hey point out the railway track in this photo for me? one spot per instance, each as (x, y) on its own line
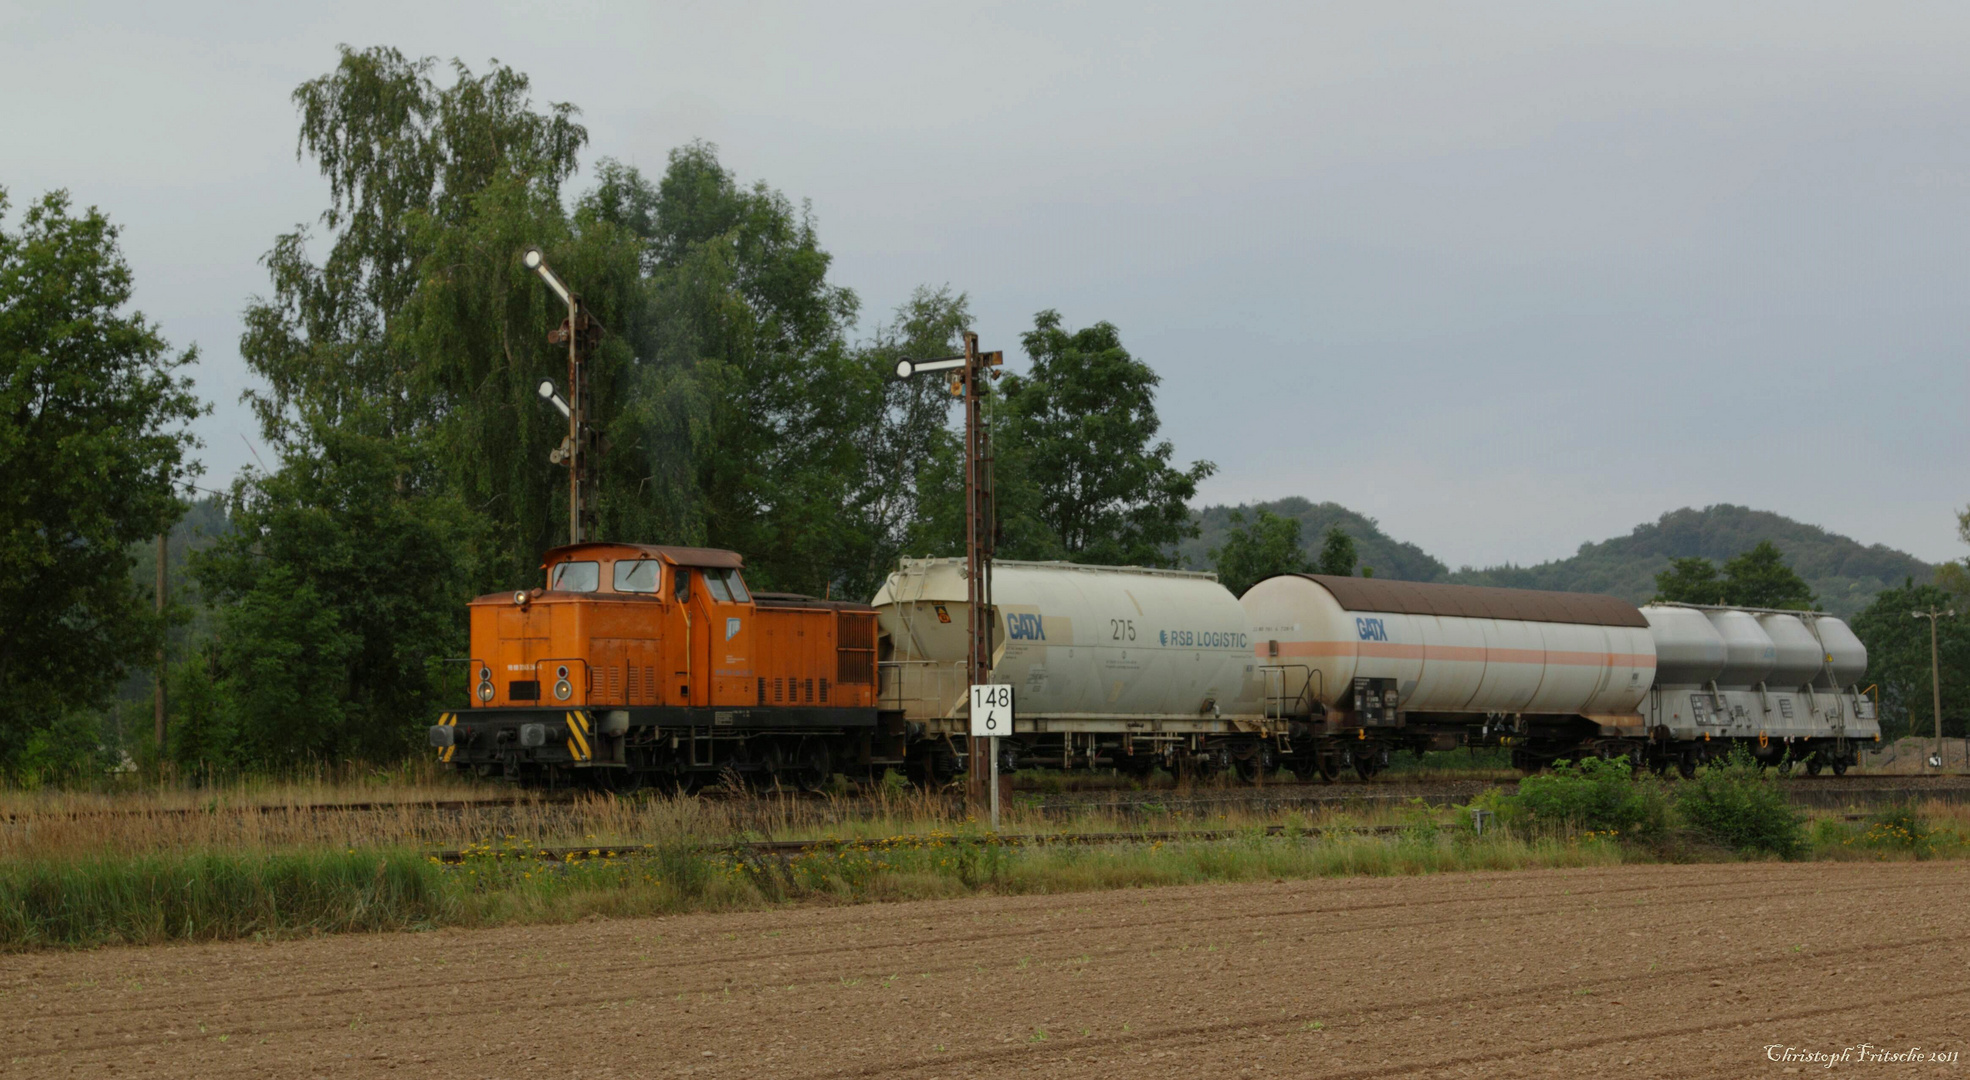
(803, 847)
(786, 848)
(1824, 791)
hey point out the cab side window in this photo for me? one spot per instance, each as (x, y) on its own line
(726, 586)
(683, 585)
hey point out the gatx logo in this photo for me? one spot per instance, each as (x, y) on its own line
(1371, 629)
(1026, 628)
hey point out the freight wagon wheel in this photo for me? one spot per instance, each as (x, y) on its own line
(1329, 765)
(1839, 766)
(1254, 761)
(1686, 764)
(1367, 764)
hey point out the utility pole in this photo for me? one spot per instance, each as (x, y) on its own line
(968, 374)
(580, 332)
(1935, 675)
(158, 697)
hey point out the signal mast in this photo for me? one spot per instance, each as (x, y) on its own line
(580, 332)
(968, 372)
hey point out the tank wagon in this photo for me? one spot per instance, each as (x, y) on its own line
(1111, 666)
(644, 664)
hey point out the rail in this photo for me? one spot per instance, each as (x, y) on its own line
(908, 842)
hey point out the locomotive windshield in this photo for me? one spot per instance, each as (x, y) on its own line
(638, 575)
(726, 587)
(576, 577)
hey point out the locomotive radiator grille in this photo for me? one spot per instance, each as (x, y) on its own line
(855, 645)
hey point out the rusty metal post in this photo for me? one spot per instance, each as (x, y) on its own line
(577, 459)
(158, 701)
(978, 560)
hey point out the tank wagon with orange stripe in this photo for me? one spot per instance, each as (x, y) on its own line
(647, 664)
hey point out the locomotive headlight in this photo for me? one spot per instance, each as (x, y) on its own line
(563, 690)
(561, 672)
(485, 691)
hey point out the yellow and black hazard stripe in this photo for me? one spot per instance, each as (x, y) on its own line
(578, 737)
(445, 752)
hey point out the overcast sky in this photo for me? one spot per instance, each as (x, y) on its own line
(1507, 277)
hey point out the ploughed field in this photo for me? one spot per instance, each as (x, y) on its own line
(1635, 970)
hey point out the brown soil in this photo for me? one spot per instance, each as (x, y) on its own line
(1650, 971)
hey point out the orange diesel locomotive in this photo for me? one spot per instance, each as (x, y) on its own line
(642, 664)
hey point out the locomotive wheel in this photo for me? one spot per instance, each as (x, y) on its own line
(812, 765)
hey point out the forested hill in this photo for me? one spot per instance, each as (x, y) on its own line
(1843, 573)
(1388, 556)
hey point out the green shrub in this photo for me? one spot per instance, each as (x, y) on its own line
(1737, 805)
(1595, 795)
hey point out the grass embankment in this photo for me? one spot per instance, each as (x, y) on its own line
(73, 875)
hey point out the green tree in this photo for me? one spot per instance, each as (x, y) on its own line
(1955, 576)
(1269, 547)
(92, 451)
(341, 590)
(1759, 577)
(1337, 553)
(1898, 659)
(1762, 578)
(1692, 580)
(748, 358)
(420, 323)
(1083, 427)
